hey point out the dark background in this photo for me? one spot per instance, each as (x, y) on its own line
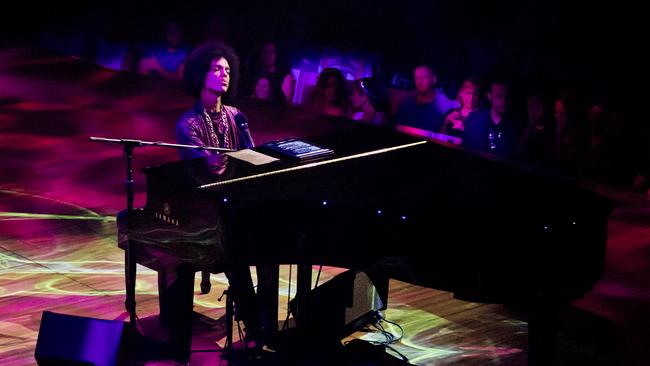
(597, 51)
(564, 42)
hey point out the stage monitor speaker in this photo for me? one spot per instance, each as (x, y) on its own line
(341, 306)
(75, 341)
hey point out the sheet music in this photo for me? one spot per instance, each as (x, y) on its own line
(252, 157)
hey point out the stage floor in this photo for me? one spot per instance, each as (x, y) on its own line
(59, 194)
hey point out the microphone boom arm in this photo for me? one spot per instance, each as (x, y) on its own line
(156, 143)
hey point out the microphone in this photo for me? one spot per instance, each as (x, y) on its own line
(242, 124)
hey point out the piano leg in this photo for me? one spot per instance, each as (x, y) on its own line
(167, 268)
(163, 297)
(303, 289)
(267, 295)
(130, 277)
(179, 299)
(242, 292)
(205, 282)
(542, 332)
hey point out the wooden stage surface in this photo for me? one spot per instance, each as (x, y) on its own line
(59, 194)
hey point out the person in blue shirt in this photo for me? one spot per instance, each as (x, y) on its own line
(426, 109)
(166, 60)
(494, 130)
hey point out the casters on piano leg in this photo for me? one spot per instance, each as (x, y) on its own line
(205, 282)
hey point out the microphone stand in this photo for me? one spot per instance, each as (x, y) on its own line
(129, 256)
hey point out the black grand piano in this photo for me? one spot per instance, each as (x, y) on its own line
(408, 209)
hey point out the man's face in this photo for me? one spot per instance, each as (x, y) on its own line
(499, 98)
(217, 79)
(425, 80)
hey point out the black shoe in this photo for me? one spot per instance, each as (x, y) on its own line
(255, 335)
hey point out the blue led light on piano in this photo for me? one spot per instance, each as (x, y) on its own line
(379, 212)
(403, 217)
(225, 199)
(324, 203)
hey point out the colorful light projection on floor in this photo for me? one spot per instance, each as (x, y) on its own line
(428, 338)
(27, 216)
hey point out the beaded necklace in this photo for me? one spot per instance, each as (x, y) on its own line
(222, 134)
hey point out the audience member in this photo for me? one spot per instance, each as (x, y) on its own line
(469, 98)
(598, 161)
(267, 90)
(537, 143)
(493, 130)
(370, 102)
(262, 90)
(166, 60)
(330, 96)
(427, 108)
(570, 141)
(267, 64)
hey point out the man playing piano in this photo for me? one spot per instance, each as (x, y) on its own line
(211, 73)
